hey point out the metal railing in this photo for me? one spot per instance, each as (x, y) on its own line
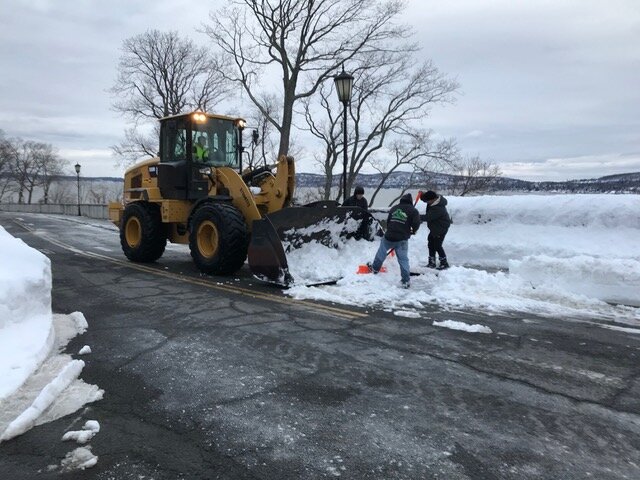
(86, 210)
(102, 211)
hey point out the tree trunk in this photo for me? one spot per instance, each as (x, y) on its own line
(285, 129)
(328, 179)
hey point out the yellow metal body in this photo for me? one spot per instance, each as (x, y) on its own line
(141, 184)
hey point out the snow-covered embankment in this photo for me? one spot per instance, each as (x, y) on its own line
(37, 384)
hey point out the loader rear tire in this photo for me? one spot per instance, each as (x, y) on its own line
(143, 237)
(219, 239)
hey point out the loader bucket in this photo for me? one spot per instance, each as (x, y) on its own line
(267, 259)
(290, 228)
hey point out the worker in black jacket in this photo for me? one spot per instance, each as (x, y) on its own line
(357, 199)
(438, 222)
(402, 222)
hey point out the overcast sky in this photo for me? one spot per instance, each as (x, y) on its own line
(549, 89)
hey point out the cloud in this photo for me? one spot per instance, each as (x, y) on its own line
(94, 162)
(588, 166)
(540, 80)
(474, 134)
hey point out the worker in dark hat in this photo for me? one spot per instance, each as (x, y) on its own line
(357, 199)
(438, 222)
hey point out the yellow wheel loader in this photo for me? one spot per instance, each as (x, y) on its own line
(197, 193)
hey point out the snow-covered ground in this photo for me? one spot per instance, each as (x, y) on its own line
(552, 255)
(38, 384)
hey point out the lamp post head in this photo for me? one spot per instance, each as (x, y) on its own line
(344, 84)
(78, 168)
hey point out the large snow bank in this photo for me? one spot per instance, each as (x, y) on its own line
(551, 255)
(26, 333)
(596, 211)
(611, 279)
(583, 244)
(37, 384)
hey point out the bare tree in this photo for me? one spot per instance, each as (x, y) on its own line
(26, 165)
(264, 150)
(6, 158)
(392, 97)
(62, 192)
(99, 192)
(136, 144)
(24, 168)
(473, 175)
(310, 195)
(420, 155)
(50, 168)
(35, 164)
(302, 42)
(162, 74)
(327, 129)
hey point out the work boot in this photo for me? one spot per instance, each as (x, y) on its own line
(370, 267)
(406, 285)
(443, 264)
(432, 262)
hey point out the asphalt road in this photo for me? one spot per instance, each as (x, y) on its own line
(207, 378)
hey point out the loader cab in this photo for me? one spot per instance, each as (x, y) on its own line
(189, 144)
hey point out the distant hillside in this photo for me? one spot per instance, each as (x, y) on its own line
(621, 183)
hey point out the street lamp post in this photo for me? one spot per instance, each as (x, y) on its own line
(344, 84)
(78, 178)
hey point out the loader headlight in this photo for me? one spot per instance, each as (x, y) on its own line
(241, 124)
(205, 171)
(199, 117)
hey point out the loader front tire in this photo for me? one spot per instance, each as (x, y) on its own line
(219, 239)
(142, 235)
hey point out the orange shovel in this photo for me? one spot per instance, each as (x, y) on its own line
(362, 269)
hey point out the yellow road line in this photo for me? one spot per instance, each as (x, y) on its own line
(340, 312)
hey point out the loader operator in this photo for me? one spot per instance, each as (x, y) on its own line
(201, 150)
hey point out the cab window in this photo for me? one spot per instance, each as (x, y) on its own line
(175, 141)
(215, 143)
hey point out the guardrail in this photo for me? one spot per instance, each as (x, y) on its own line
(102, 211)
(86, 210)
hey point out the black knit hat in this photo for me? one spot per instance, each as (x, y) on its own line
(359, 190)
(429, 195)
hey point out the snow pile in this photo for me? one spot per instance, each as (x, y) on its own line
(592, 211)
(550, 255)
(85, 350)
(489, 231)
(328, 231)
(47, 396)
(407, 313)
(79, 459)
(26, 331)
(89, 430)
(37, 384)
(614, 280)
(465, 327)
